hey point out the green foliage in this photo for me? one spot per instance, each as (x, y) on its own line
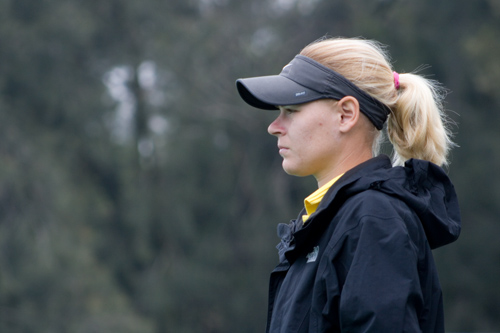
(138, 193)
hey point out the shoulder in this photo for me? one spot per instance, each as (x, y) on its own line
(374, 215)
(375, 204)
(375, 225)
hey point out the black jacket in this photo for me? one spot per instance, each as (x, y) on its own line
(363, 261)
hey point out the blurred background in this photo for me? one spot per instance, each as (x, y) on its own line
(139, 194)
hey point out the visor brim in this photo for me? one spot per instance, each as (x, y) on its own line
(268, 92)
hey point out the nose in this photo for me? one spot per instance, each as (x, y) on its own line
(276, 127)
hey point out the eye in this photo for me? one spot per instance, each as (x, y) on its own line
(290, 110)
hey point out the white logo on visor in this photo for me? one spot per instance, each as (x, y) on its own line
(302, 93)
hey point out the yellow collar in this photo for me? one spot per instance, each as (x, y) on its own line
(311, 203)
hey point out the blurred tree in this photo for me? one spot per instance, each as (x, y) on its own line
(139, 194)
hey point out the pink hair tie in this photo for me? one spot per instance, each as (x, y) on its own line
(396, 80)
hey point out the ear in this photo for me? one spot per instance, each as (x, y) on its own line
(349, 113)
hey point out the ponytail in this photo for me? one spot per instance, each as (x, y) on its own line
(417, 126)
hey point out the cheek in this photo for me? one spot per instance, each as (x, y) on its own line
(322, 131)
(313, 131)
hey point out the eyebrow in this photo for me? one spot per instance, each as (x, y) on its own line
(292, 107)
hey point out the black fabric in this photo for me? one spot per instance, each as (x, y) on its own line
(305, 80)
(363, 261)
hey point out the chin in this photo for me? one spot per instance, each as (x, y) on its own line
(294, 171)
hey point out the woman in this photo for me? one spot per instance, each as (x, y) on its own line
(358, 257)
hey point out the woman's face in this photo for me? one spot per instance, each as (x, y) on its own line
(308, 137)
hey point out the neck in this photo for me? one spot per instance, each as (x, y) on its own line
(348, 161)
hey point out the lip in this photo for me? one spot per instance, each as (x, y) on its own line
(282, 149)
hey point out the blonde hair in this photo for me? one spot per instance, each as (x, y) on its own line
(416, 127)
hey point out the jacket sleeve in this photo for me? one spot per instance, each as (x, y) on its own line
(381, 291)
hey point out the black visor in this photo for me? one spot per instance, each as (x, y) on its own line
(305, 80)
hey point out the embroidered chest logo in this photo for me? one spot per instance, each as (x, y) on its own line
(311, 257)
